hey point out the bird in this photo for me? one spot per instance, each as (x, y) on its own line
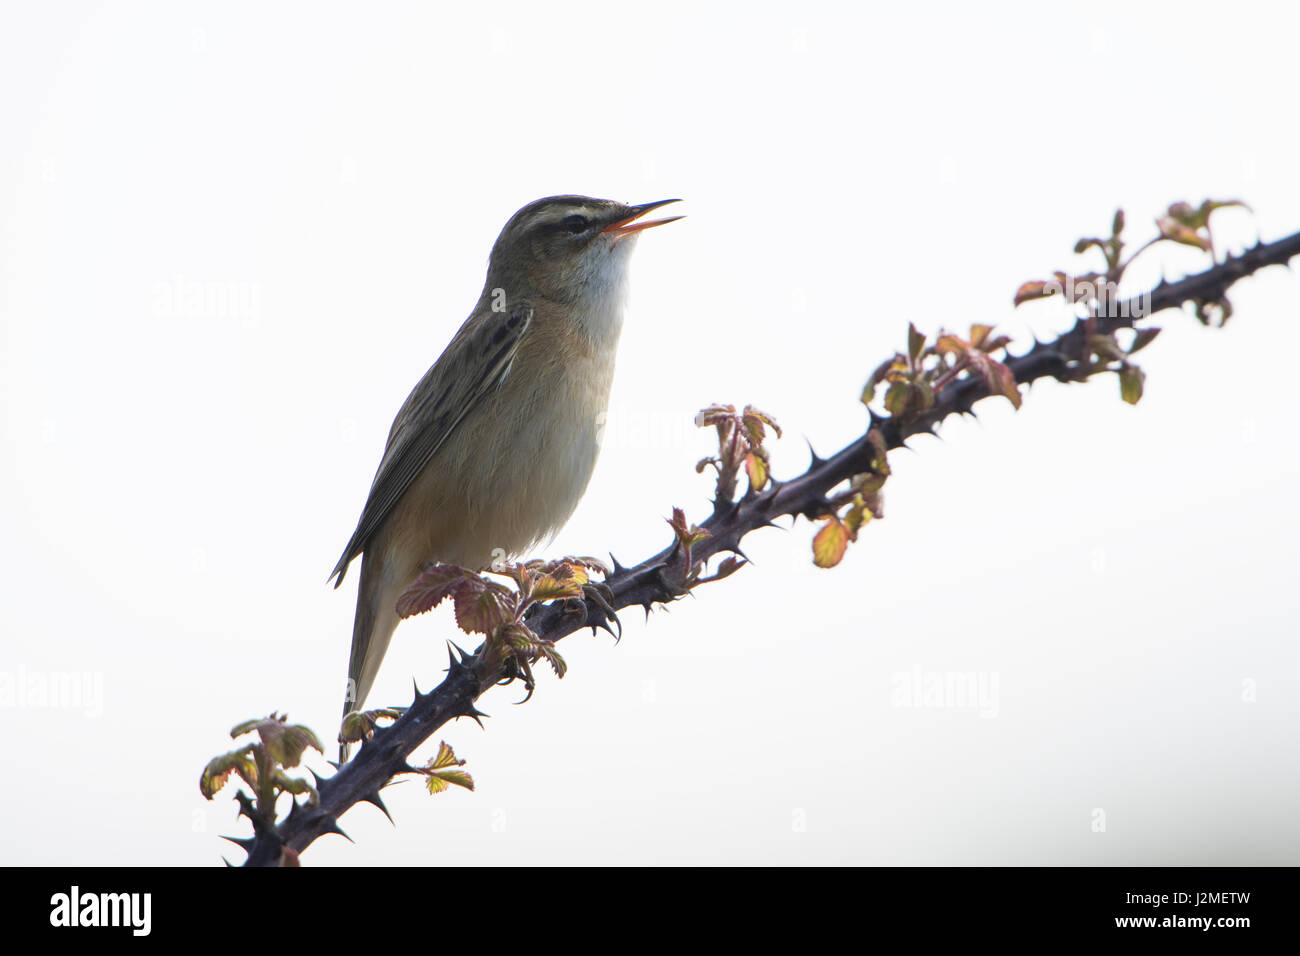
(493, 448)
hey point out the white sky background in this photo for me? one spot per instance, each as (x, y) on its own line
(178, 482)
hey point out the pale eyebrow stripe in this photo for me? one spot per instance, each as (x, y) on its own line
(550, 217)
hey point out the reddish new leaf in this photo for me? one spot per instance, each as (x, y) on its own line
(435, 583)
(686, 534)
(483, 606)
(754, 422)
(1035, 290)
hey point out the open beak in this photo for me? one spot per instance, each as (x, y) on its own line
(629, 225)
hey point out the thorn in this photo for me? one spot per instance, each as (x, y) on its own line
(227, 862)
(332, 826)
(317, 777)
(244, 843)
(665, 594)
(618, 568)
(416, 688)
(462, 665)
(817, 460)
(374, 799)
(604, 625)
(735, 549)
(473, 713)
(261, 826)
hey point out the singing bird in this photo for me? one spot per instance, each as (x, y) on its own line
(494, 447)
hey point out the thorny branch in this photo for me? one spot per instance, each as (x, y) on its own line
(665, 576)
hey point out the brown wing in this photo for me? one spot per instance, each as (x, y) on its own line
(473, 364)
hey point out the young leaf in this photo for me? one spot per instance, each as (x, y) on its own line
(979, 335)
(295, 785)
(435, 583)
(714, 414)
(548, 587)
(518, 637)
(950, 344)
(859, 514)
(1178, 231)
(830, 543)
(728, 566)
(996, 376)
(483, 606)
(360, 725)
(879, 375)
(442, 772)
(1106, 347)
(1005, 383)
(217, 773)
(754, 422)
(686, 534)
(1035, 290)
(286, 743)
(1131, 379)
(896, 398)
(446, 758)
(546, 649)
(915, 343)
(880, 461)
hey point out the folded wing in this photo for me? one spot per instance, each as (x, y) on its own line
(475, 363)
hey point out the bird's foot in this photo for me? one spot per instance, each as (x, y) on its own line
(516, 667)
(597, 607)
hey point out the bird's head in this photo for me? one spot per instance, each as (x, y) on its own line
(569, 248)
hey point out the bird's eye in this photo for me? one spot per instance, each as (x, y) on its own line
(574, 224)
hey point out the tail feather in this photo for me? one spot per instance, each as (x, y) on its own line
(372, 629)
